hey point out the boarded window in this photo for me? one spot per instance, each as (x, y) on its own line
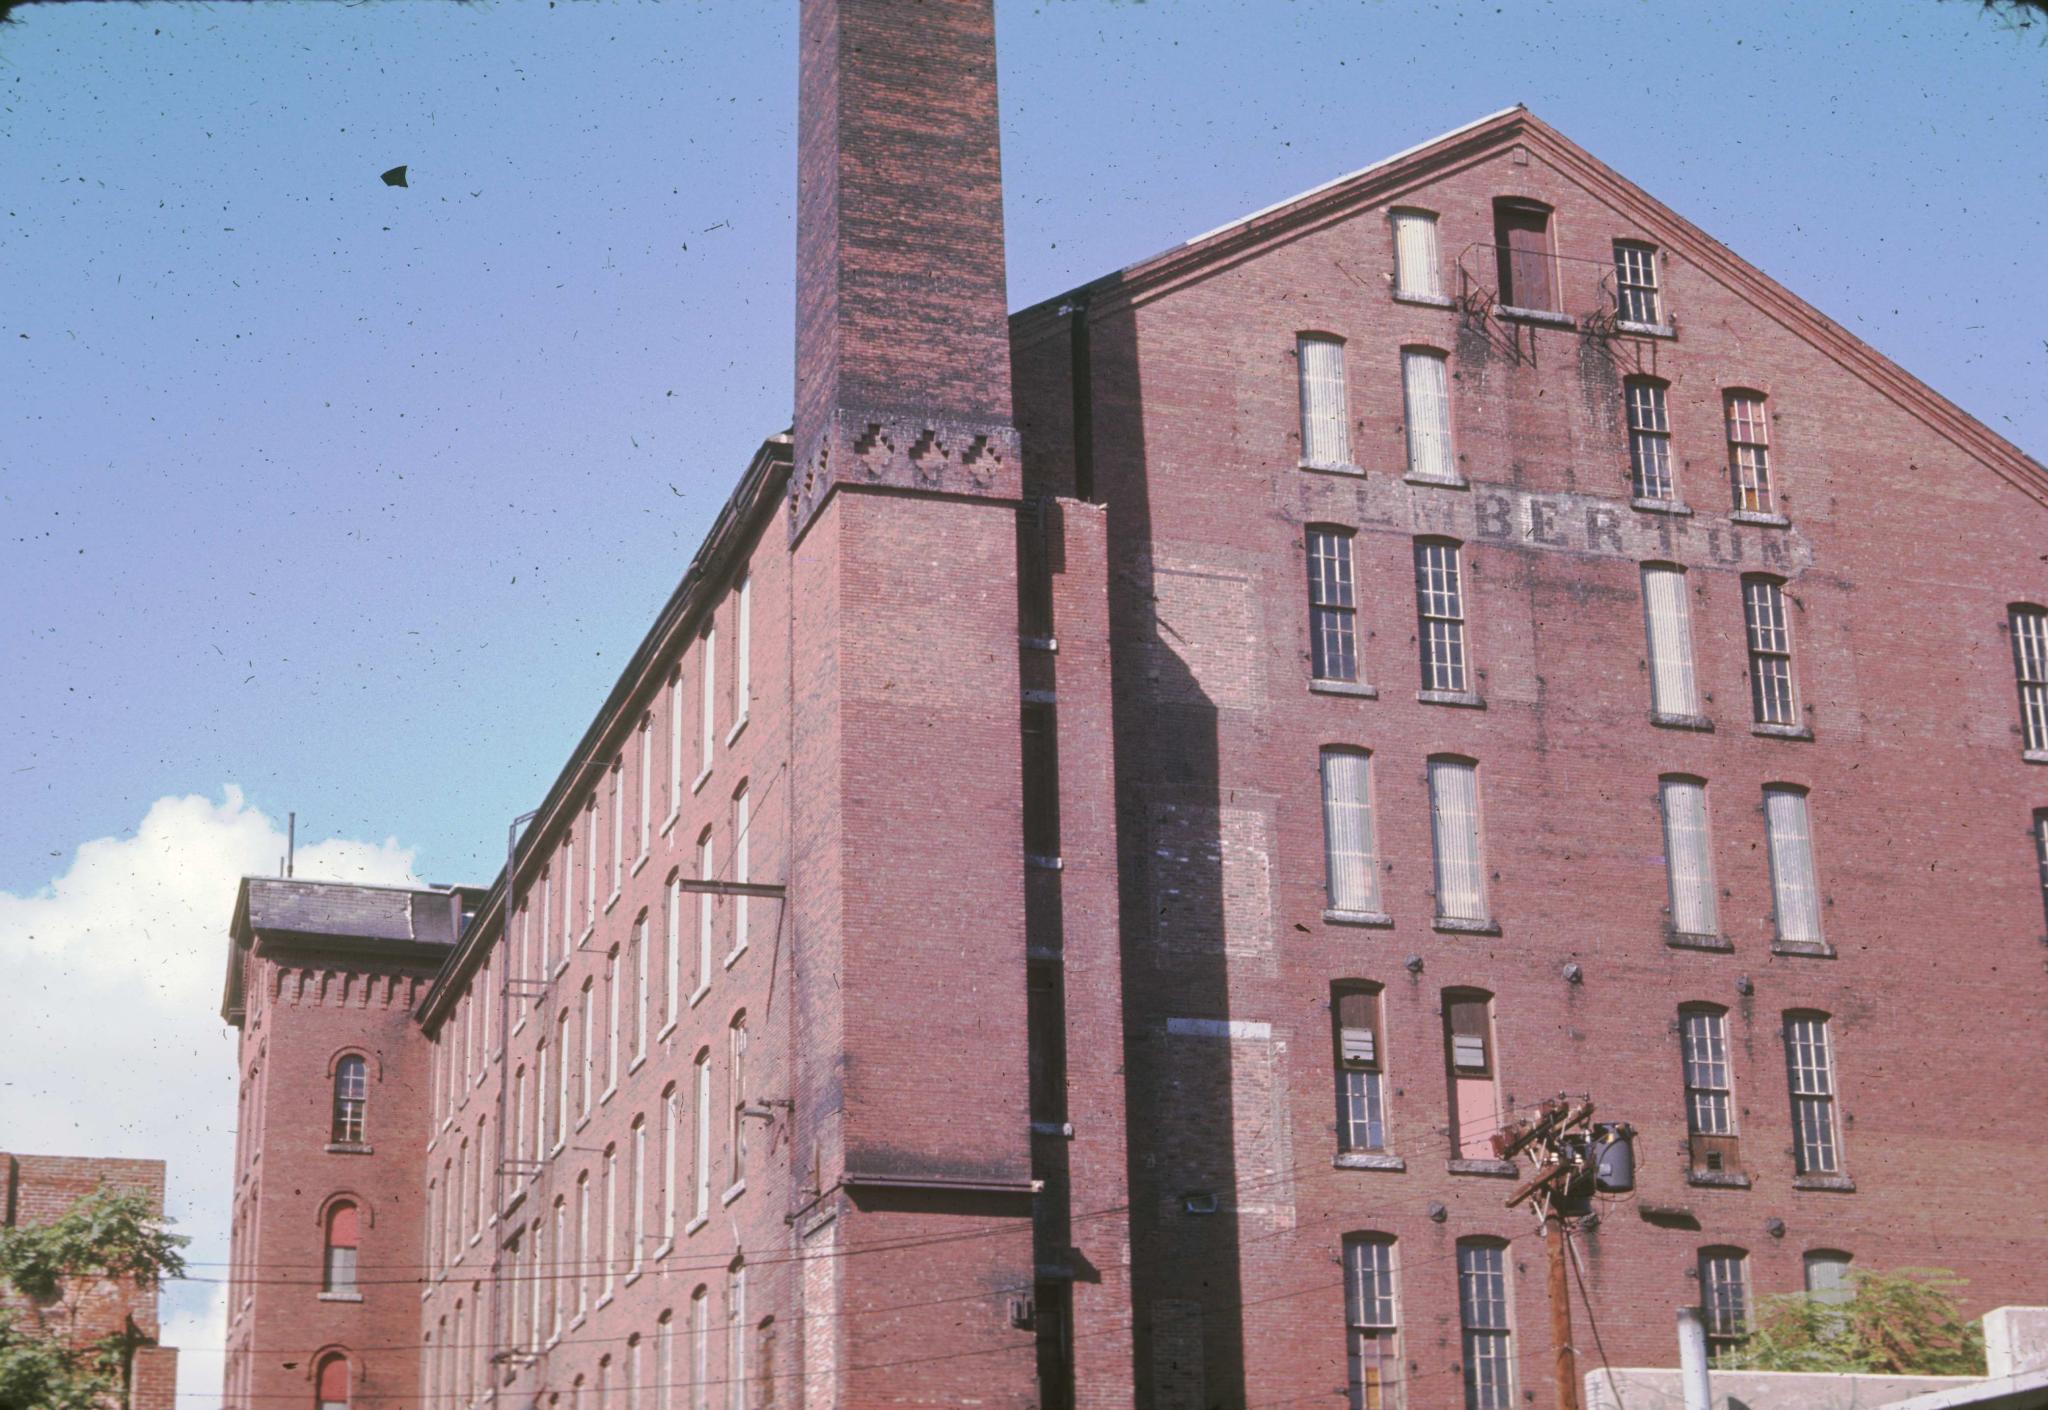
(1795, 893)
(1667, 618)
(1353, 871)
(1415, 255)
(331, 1383)
(1522, 236)
(1827, 1277)
(1361, 1106)
(1454, 828)
(1372, 1321)
(1325, 435)
(1426, 393)
(1687, 857)
(2041, 852)
(1468, 1050)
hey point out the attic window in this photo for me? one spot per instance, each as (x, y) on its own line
(1521, 238)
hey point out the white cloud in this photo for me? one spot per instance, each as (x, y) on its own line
(111, 1014)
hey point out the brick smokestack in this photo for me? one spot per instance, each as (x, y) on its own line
(903, 353)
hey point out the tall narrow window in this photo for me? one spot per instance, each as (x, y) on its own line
(1483, 1320)
(1521, 235)
(1637, 297)
(1325, 421)
(1361, 1107)
(351, 1100)
(614, 981)
(1770, 651)
(565, 1063)
(590, 864)
(1332, 606)
(1810, 1071)
(2041, 852)
(1415, 255)
(742, 651)
(331, 1382)
(610, 1212)
(736, 1080)
(1795, 894)
(1426, 394)
(703, 1151)
(1649, 441)
(1352, 866)
(637, 961)
(634, 1372)
(569, 895)
(618, 825)
(700, 1349)
(741, 848)
(1372, 1321)
(558, 1281)
(1827, 1277)
(736, 1335)
(1687, 856)
(671, 1160)
(708, 663)
(1709, 1089)
(584, 1249)
(705, 912)
(1454, 831)
(1475, 1085)
(665, 1361)
(547, 918)
(672, 954)
(339, 1273)
(586, 1021)
(675, 742)
(1724, 1298)
(1667, 618)
(2030, 667)
(636, 1194)
(1749, 450)
(646, 799)
(1440, 612)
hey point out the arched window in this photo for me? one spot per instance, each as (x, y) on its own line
(351, 1100)
(339, 1269)
(331, 1382)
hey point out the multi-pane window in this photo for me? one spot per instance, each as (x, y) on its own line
(736, 1078)
(1649, 441)
(637, 961)
(700, 1349)
(1687, 856)
(339, 1273)
(1325, 427)
(1810, 1071)
(1415, 255)
(636, 1218)
(673, 954)
(1795, 891)
(646, 800)
(1454, 835)
(1667, 619)
(1709, 1094)
(1332, 606)
(1724, 1298)
(742, 650)
(706, 912)
(1440, 613)
(1521, 237)
(1483, 1318)
(736, 1335)
(707, 660)
(1352, 870)
(1474, 1080)
(1770, 651)
(702, 1206)
(1749, 450)
(1373, 1322)
(351, 1100)
(2041, 852)
(1635, 283)
(2030, 667)
(1426, 393)
(741, 848)
(1361, 1103)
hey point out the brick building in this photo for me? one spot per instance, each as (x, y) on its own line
(1130, 795)
(37, 1189)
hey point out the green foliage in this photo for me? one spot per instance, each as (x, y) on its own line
(104, 1235)
(39, 1372)
(1901, 1323)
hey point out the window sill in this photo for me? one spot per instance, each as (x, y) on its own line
(603, 1302)
(697, 784)
(341, 1297)
(609, 1093)
(556, 1149)
(695, 1224)
(518, 1197)
(733, 958)
(640, 863)
(1368, 1160)
(1658, 506)
(1666, 721)
(666, 1029)
(1378, 920)
(2034, 756)
(1717, 1179)
(668, 824)
(581, 1318)
(1458, 483)
(632, 1278)
(476, 1238)
(1841, 1183)
(1462, 699)
(1331, 467)
(1359, 689)
(1040, 643)
(1492, 1169)
(1063, 1129)
(734, 733)
(582, 1122)
(1690, 940)
(668, 1246)
(1043, 863)
(589, 929)
(1425, 300)
(1458, 925)
(611, 900)
(636, 1064)
(561, 965)
(1548, 317)
(1645, 330)
(698, 997)
(1814, 949)
(1762, 517)
(732, 1193)
(349, 1148)
(1783, 731)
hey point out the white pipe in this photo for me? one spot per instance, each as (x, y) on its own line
(1692, 1360)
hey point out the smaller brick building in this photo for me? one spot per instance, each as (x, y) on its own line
(37, 1189)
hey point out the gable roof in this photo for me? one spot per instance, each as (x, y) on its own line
(1345, 196)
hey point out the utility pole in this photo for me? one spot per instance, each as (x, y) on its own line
(1573, 1159)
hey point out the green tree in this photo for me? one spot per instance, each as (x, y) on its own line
(106, 1237)
(1900, 1323)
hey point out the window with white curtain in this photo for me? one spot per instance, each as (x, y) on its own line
(1325, 420)
(1667, 618)
(1352, 869)
(1415, 255)
(1426, 393)
(1795, 893)
(1454, 831)
(1687, 856)
(2030, 668)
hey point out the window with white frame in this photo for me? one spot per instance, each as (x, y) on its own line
(2041, 852)
(646, 799)
(547, 918)
(741, 847)
(1372, 1322)
(1688, 855)
(1352, 869)
(665, 1360)
(708, 664)
(1667, 621)
(1474, 1075)
(1810, 1072)
(569, 893)
(586, 1020)
(706, 912)
(584, 1244)
(558, 1289)
(1416, 263)
(1636, 294)
(618, 825)
(1649, 441)
(703, 1152)
(1361, 1097)
(614, 984)
(1487, 1335)
(611, 1222)
(1440, 613)
(351, 1100)
(1749, 449)
(700, 1349)
(672, 954)
(633, 1372)
(1426, 395)
(1325, 419)
(736, 1335)
(1454, 833)
(1709, 1087)
(590, 864)
(742, 650)
(638, 1193)
(736, 1081)
(564, 1060)
(641, 997)
(675, 741)
(1332, 605)
(671, 1159)
(2030, 668)
(1795, 891)
(1770, 651)
(1724, 1299)
(339, 1271)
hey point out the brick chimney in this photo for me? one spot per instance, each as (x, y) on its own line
(903, 351)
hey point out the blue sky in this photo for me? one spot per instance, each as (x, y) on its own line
(357, 498)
